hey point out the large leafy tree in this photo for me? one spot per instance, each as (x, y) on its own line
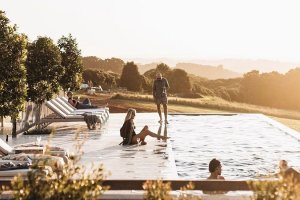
(13, 72)
(44, 70)
(179, 81)
(107, 80)
(111, 64)
(71, 62)
(130, 77)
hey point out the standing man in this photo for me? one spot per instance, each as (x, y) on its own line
(160, 87)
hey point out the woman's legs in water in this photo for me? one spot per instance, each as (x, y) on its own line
(142, 135)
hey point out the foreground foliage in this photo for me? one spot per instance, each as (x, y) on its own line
(158, 190)
(283, 189)
(73, 182)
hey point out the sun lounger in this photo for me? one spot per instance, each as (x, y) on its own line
(11, 165)
(53, 157)
(55, 162)
(72, 109)
(31, 148)
(67, 112)
(12, 173)
(64, 107)
(60, 116)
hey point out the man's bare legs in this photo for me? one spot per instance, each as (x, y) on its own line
(159, 113)
(142, 135)
(166, 112)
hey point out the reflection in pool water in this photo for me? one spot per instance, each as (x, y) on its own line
(247, 145)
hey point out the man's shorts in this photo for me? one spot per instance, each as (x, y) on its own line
(162, 100)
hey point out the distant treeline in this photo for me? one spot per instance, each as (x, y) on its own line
(267, 89)
(111, 64)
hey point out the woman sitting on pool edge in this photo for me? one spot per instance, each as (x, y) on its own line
(128, 134)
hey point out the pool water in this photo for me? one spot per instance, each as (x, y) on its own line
(248, 145)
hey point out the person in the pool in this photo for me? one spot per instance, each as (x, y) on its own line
(215, 169)
(128, 132)
(288, 172)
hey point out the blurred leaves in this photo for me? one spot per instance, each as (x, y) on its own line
(73, 182)
(158, 190)
(282, 189)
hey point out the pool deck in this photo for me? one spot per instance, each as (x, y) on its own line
(101, 146)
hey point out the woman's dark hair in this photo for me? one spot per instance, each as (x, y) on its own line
(213, 164)
(69, 93)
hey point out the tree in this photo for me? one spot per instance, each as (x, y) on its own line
(71, 62)
(164, 69)
(107, 80)
(179, 81)
(114, 65)
(13, 72)
(250, 87)
(111, 64)
(147, 84)
(91, 62)
(44, 71)
(150, 74)
(130, 77)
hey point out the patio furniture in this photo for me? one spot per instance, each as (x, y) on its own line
(60, 116)
(31, 148)
(64, 108)
(72, 109)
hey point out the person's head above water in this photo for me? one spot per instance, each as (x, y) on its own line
(158, 75)
(283, 165)
(130, 114)
(215, 166)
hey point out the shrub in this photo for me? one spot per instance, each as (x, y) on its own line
(156, 190)
(275, 190)
(73, 182)
(159, 190)
(184, 195)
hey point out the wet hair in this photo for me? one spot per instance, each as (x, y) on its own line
(130, 112)
(213, 165)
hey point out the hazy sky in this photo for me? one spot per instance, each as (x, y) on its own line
(185, 29)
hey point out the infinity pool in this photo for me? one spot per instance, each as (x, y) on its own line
(248, 145)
